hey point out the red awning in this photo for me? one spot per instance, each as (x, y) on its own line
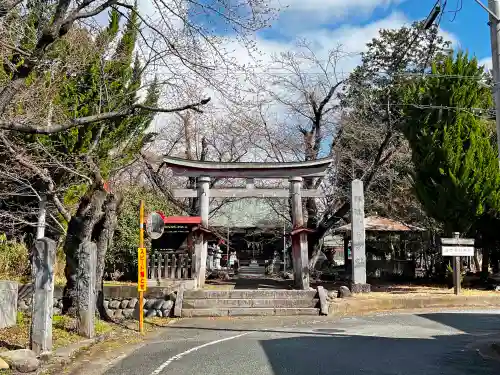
(194, 220)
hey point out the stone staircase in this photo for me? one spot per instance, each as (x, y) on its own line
(252, 271)
(246, 302)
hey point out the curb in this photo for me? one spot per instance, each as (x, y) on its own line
(65, 355)
(351, 306)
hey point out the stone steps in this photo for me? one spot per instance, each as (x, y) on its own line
(249, 302)
(249, 293)
(252, 271)
(249, 311)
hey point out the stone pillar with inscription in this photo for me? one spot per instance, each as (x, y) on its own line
(358, 281)
(86, 288)
(43, 259)
(299, 239)
(201, 245)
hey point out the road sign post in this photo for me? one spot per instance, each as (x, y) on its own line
(142, 268)
(457, 247)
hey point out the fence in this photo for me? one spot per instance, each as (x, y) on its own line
(170, 264)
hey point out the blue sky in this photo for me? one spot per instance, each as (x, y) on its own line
(468, 27)
(355, 22)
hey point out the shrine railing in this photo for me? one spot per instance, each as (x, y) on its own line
(170, 264)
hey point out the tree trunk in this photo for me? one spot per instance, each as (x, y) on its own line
(103, 235)
(315, 256)
(485, 269)
(476, 261)
(80, 229)
(495, 261)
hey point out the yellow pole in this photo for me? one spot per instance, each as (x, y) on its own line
(141, 245)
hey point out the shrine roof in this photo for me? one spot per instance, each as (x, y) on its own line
(195, 220)
(195, 168)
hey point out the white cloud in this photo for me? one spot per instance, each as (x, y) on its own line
(486, 62)
(297, 16)
(336, 8)
(351, 38)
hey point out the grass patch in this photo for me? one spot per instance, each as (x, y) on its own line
(64, 332)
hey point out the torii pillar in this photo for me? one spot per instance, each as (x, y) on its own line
(300, 254)
(200, 247)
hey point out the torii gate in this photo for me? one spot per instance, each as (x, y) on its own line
(293, 171)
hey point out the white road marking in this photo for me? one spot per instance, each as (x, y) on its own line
(196, 348)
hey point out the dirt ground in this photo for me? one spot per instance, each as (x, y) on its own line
(379, 289)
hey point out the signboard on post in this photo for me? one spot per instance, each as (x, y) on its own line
(457, 251)
(457, 247)
(142, 267)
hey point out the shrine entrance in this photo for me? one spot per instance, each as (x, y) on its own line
(204, 172)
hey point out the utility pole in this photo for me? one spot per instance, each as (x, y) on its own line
(493, 10)
(494, 7)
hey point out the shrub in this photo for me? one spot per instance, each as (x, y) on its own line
(121, 258)
(14, 260)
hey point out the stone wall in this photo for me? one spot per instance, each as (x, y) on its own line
(120, 302)
(8, 303)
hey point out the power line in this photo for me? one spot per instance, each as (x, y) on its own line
(458, 8)
(470, 110)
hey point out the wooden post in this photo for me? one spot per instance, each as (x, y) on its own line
(166, 266)
(141, 245)
(457, 284)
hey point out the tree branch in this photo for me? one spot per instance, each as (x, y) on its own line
(41, 129)
(7, 5)
(40, 173)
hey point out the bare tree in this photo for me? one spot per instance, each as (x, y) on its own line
(170, 42)
(193, 136)
(303, 91)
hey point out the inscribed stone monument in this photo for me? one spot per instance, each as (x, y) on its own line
(86, 288)
(43, 257)
(358, 238)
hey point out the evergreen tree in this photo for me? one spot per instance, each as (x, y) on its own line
(456, 174)
(106, 84)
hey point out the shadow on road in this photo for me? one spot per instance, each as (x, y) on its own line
(474, 324)
(354, 354)
(318, 332)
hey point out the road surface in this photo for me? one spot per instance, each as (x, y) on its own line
(410, 344)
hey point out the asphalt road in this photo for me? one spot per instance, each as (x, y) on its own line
(411, 344)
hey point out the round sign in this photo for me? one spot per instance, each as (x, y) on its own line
(155, 225)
